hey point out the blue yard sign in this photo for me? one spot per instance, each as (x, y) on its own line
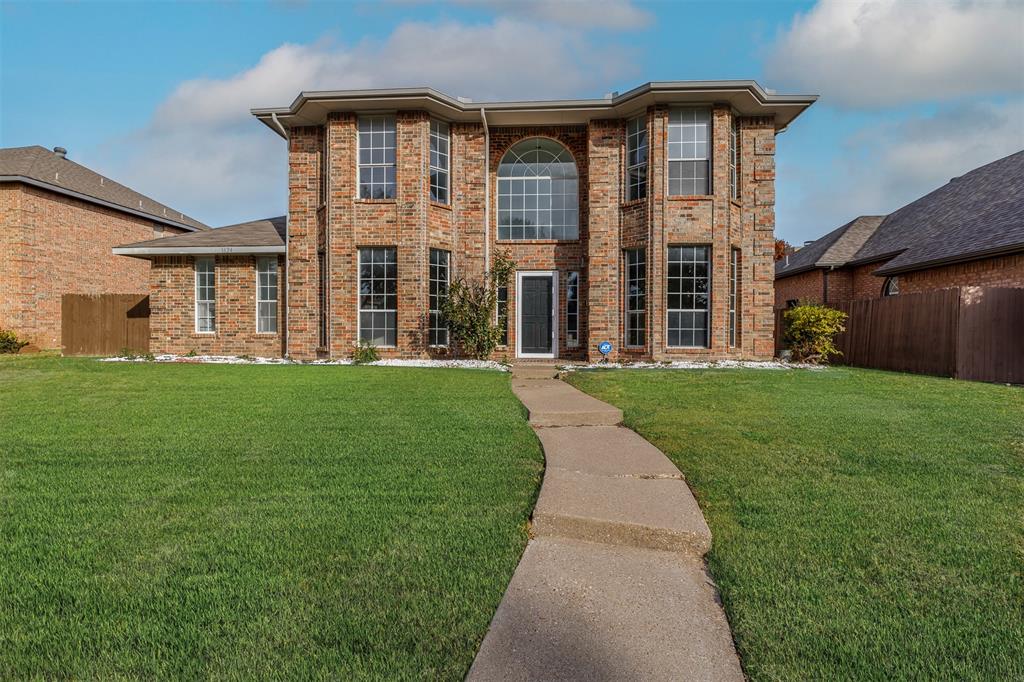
(605, 347)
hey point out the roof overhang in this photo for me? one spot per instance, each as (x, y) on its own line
(746, 97)
(150, 251)
(886, 270)
(99, 202)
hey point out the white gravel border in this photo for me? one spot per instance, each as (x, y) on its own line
(235, 360)
(693, 364)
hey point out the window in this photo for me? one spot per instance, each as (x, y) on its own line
(689, 287)
(537, 192)
(378, 296)
(891, 287)
(206, 295)
(636, 297)
(502, 311)
(266, 295)
(324, 164)
(734, 283)
(321, 259)
(572, 309)
(636, 158)
(439, 161)
(734, 158)
(438, 292)
(376, 157)
(689, 169)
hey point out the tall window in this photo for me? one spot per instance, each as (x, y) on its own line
(636, 158)
(321, 259)
(439, 161)
(324, 164)
(438, 292)
(734, 158)
(734, 290)
(537, 192)
(572, 309)
(376, 157)
(206, 295)
(689, 168)
(636, 297)
(266, 295)
(689, 287)
(378, 296)
(502, 311)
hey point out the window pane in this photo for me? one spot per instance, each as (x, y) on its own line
(538, 182)
(376, 157)
(378, 274)
(688, 272)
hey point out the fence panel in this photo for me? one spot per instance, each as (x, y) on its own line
(104, 324)
(991, 335)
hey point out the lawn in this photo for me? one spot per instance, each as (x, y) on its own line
(184, 521)
(867, 525)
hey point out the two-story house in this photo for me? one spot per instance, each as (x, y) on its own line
(643, 219)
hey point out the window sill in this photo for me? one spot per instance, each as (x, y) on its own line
(537, 241)
(266, 335)
(690, 197)
(376, 201)
(443, 207)
(633, 202)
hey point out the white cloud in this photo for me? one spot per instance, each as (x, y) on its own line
(610, 14)
(866, 53)
(203, 152)
(884, 167)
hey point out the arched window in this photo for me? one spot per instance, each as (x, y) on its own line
(891, 286)
(537, 192)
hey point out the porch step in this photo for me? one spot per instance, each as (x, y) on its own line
(550, 402)
(530, 371)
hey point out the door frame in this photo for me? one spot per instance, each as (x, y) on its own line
(553, 274)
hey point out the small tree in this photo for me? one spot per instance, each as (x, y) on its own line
(469, 309)
(782, 247)
(811, 331)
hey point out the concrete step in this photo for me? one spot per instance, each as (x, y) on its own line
(522, 371)
(583, 611)
(554, 403)
(651, 513)
(604, 451)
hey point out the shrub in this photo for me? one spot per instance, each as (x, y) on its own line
(365, 352)
(10, 343)
(469, 310)
(811, 331)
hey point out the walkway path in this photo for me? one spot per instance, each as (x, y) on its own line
(612, 586)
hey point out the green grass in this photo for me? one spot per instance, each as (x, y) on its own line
(183, 521)
(867, 525)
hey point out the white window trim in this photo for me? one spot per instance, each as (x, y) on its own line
(553, 274)
(277, 277)
(359, 309)
(709, 309)
(393, 116)
(195, 295)
(708, 157)
(570, 343)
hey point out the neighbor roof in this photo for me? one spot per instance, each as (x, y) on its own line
(256, 236)
(833, 250)
(41, 167)
(747, 97)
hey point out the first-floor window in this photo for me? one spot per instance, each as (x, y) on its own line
(734, 287)
(378, 296)
(689, 295)
(572, 309)
(266, 295)
(891, 286)
(321, 259)
(636, 297)
(206, 295)
(438, 292)
(503, 313)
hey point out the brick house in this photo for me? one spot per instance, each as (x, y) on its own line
(643, 219)
(970, 232)
(58, 223)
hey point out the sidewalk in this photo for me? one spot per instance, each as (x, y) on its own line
(612, 586)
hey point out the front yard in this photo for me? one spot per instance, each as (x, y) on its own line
(255, 521)
(867, 525)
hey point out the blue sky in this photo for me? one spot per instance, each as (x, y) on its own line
(156, 95)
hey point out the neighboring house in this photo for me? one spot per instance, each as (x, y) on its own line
(58, 222)
(969, 232)
(643, 219)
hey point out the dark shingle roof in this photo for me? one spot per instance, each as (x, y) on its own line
(834, 249)
(41, 166)
(266, 235)
(977, 214)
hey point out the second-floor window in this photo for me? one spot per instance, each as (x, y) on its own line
(636, 158)
(689, 165)
(376, 157)
(537, 192)
(440, 160)
(734, 159)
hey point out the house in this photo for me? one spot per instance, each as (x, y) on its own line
(643, 219)
(58, 223)
(970, 232)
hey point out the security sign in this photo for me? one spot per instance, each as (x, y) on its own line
(605, 347)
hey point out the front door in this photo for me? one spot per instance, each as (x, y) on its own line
(536, 321)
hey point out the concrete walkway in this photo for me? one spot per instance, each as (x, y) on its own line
(612, 584)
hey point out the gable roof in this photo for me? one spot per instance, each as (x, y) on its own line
(976, 215)
(834, 249)
(256, 236)
(49, 170)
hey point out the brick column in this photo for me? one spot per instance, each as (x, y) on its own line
(304, 146)
(604, 143)
(759, 221)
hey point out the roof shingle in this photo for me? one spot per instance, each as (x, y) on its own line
(263, 234)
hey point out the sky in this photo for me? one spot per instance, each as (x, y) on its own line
(156, 95)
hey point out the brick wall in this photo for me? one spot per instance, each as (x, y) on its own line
(53, 245)
(1003, 271)
(172, 326)
(806, 286)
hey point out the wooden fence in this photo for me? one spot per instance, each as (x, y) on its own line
(970, 333)
(104, 324)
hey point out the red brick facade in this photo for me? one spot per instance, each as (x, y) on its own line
(51, 245)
